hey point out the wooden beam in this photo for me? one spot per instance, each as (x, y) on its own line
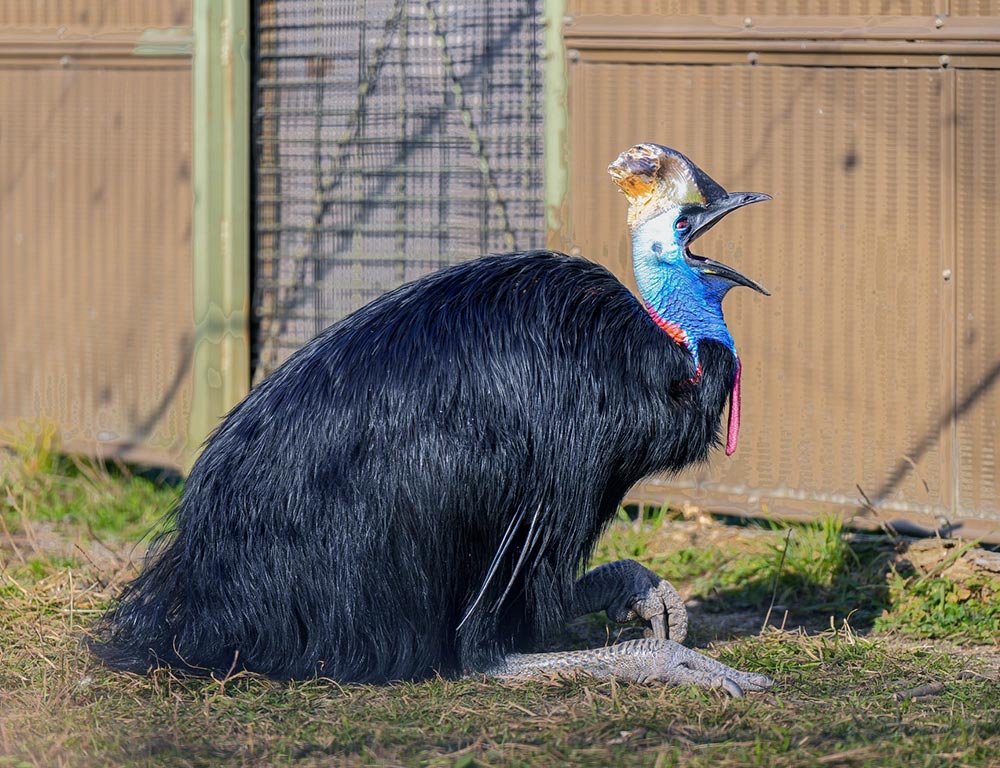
(221, 213)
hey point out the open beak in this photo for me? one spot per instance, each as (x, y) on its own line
(707, 217)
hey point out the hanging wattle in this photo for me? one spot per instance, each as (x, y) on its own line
(733, 432)
(679, 335)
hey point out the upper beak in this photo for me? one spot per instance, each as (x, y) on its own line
(708, 216)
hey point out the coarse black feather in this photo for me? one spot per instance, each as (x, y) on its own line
(343, 518)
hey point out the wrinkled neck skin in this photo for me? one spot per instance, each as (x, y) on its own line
(682, 302)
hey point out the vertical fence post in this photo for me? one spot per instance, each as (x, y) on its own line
(221, 212)
(555, 145)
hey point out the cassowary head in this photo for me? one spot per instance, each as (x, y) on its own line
(673, 202)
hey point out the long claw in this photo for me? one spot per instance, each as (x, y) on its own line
(730, 687)
(627, 590)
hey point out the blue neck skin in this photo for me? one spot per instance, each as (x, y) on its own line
(682, 297)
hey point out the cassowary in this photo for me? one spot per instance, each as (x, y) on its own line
(417, 490)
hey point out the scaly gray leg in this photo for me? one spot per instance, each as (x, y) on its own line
(641, 661)
(626, 590)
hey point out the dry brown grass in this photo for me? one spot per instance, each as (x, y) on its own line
(843, 699)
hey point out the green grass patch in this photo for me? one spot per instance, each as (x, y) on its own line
(940, 608)
(940, 589)
(813, 568)
(41, 484)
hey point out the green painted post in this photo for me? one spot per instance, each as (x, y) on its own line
(221, 165)
(556, 145)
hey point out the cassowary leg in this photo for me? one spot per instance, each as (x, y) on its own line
(641, 661)
(626, 591)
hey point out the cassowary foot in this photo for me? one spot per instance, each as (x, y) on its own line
(626, 591)
(640, 661)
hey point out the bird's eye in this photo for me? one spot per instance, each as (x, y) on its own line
(682, 225)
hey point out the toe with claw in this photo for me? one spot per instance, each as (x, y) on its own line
(626, 591)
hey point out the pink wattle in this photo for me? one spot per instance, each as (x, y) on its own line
(734, 413)
(680, 336)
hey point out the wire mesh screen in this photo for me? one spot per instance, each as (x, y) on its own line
(392, 138)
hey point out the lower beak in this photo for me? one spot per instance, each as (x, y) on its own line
(717, 269)
(711, 214)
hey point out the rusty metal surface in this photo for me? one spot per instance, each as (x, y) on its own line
(632, 30)
(90, 16)
(92, 34)
(95, 256)
(974, 7)
(915, 40)
(722, 8)
(849, 369)
(977, 198)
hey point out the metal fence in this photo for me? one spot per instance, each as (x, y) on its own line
(391, 138)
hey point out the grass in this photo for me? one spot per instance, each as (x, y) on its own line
(43, 485)
(944, 596)
(843, 698)
(941, 608)
(817, 570)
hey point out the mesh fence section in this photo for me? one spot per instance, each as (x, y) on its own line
(391, 138)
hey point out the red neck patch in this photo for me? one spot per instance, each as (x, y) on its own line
(680, 336)
(673, 330)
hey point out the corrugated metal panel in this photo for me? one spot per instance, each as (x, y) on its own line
(975, 7)
(72, 16)
(95, 275)
(977, 279)
(845, 384)
(756, 7)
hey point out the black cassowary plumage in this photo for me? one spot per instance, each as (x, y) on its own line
(344, 518)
